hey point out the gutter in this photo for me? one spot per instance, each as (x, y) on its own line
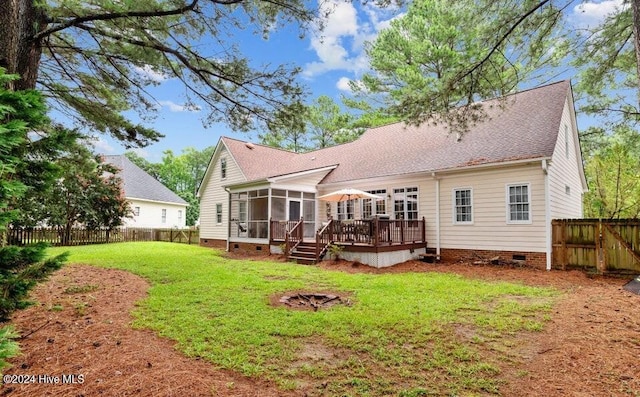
(226, 189)
(433, 174)
(547, 211)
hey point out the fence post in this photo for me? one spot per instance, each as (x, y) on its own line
(563, 236)
(600, 255)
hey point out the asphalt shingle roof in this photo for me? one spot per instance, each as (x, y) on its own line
(521, 126)
(140, 185)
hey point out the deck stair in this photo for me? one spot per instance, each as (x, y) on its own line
(430, 256)
(304, 253)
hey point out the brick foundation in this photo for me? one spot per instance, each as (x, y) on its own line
(534, 259)
(249, 248)
(245, 248)
(213, 243)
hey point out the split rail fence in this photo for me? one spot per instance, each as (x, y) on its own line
(601, 246)
(81, 236)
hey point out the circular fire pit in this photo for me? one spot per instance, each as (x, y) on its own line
(311, 300)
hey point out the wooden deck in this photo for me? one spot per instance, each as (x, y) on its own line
(374, 235)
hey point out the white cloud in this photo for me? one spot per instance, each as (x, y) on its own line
(591, 14)
(340, 45)
(147, 72)
(101, 145)
(141, 152)
(174, 107)
(343, 84)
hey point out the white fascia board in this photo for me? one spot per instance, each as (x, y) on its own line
(281, 178)
(157, 201)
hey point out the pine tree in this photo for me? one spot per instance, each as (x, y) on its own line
(20, 267)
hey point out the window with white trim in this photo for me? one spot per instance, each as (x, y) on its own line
(346, 210)
(218, 213)
(164, 215)
(463, 206)
(136, 211)
(371, 207)
(405, 203)
(223, 168)
(179, 215)
(519, 203)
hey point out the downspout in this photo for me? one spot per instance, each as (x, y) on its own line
(226, 189)
(433, 174)
(547, 211)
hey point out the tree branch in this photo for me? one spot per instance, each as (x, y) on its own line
(118, 15)
(502, 39)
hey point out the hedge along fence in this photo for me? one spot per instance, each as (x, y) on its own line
(82, 236)
(602, 246)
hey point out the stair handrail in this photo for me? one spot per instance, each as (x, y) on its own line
(319, 238)
(295, 235)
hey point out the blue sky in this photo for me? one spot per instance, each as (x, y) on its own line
(328, 62)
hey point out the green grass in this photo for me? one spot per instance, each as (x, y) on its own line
(409, 334)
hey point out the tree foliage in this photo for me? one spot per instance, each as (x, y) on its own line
(22, 166)
(324, 123)
(613, 169)
(87, 192)
(182, 174)
(608, 83)
(97, 59)
(436, 61)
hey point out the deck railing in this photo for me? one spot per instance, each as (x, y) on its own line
(279, 229)
(374, 232)
(324, 237)
(293, 236)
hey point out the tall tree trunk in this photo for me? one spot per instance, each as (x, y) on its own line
(635, 4)
(20, 20)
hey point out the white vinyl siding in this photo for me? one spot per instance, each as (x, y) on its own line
(213, 193)
(565, 183)
(490, 230)
(426, 204)
(150, 214)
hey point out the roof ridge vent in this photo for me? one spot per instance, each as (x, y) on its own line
(250, 145)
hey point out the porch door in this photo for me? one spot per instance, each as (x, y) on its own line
(294, 210)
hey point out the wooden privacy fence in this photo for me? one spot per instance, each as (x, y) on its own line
(81, 236)
(602, 246)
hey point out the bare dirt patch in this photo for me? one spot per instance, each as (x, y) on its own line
(81, 325)
(590, 347)
(310, 300)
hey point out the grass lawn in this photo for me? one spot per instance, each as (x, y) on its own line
(411, 334)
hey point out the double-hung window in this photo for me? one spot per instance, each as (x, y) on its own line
(223, 168)
(346, 210)
(519, 203)
(164, 215)
(463, 206)
(405, 203)
(371, 207)
(218, 213)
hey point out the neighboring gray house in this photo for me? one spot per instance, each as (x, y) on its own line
(153, 204)
(492, 192)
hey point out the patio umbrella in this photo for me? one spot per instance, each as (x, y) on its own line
(348, 194)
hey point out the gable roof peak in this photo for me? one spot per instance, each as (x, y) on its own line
(138, 184)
